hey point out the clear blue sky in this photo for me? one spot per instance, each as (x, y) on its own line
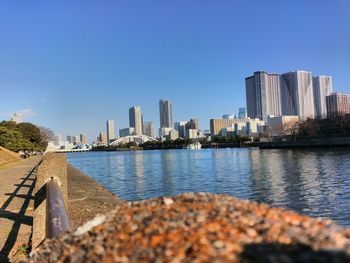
(71, 65)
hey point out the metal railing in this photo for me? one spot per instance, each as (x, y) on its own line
(57, 219)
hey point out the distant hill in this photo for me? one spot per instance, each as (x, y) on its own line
(7, 156)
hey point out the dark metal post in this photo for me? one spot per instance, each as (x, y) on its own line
(57, 220)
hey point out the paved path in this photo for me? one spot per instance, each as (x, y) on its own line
(17, 181)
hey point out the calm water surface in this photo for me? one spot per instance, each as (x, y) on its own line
(312, 182)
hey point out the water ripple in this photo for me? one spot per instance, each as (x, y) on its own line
(313, 182)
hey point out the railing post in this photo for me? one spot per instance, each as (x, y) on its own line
(57, 219)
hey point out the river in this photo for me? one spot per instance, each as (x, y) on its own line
(312, 182)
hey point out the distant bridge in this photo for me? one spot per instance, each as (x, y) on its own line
(133, 138)
(68, 150)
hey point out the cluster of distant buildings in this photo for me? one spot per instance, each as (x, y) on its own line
(296, 93)
(137, 127)
(275, 100)
(71, 142)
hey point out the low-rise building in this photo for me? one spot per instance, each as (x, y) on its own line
(241, 126)
(180, 126)
(228, 132)
(282, 125)
(173, 135)
(163, 132)
(192, 133)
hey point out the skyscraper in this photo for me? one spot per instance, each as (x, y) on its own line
(103, 138)
(135, 119)
(110, 131)
(241, 126)
(291, 93)
(148, 129)
(77, 139)
(166, 114)
(83, 138)
(263, 95)
(322, 86)
(297, 96)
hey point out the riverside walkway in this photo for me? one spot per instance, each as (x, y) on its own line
(17, 181)
(86, 199)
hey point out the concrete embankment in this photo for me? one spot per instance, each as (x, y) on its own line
(312, 143)
(83, 196)
(87, 198)
(200, 228)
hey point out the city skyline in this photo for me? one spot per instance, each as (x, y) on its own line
(277, 95)
(79, 69)
(295, 93)
(268, 95)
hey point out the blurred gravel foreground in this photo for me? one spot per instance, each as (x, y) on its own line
(200, 228)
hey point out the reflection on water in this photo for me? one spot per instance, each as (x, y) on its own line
(313, 182)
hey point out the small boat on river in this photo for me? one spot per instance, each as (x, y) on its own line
(195, 146)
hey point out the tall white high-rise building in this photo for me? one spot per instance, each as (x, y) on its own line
(135, 119)
(148, 129)
(166, 114)
(110, 131)
(263, 95)
(294, 93)
(323, 87)
(297, 96)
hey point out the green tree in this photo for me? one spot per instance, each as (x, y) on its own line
(24, 136)
(30, 132)
(13, 140)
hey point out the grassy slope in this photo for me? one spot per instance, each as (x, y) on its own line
(7, 156)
